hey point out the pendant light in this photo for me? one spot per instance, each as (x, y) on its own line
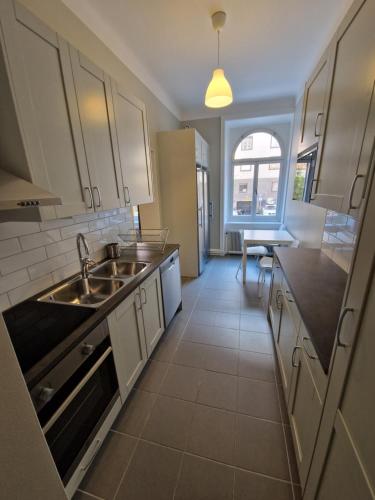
(219, 92)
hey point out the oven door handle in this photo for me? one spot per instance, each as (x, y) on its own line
(76, 390)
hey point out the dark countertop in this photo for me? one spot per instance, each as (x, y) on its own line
(318, 286)
(95, 315)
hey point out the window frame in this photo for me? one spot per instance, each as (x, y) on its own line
(255, 162)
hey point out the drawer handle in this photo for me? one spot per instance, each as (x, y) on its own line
(279, 304)
(296, 347)
(143, 290)
(344, 312)
(87, 189)
(352, 187)
(127, 196)
(139, 305)
(311, 356)
(316, 133)
(96, 449)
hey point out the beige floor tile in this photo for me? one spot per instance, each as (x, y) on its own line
(256, 366)
(221, 359)
(152, 376)
(152, 474)
(135, 412)
(254, 323)
(260, 447)
(191, 354)
(256, 342)
(249, 486)
(106, 472)
(182, 382)
(169, 422)
(212, 434)
(203, 480)
(258, 399)
(218, 390)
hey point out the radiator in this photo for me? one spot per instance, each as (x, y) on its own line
(234, 241)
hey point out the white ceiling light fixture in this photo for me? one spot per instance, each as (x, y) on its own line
(219, 92)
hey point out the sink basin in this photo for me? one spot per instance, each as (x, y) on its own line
(119, 269)
(90, 291)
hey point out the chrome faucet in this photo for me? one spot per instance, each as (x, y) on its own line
(85, 260)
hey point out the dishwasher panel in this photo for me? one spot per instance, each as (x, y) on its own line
(171, 286)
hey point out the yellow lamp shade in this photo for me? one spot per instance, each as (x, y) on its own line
(218, 93)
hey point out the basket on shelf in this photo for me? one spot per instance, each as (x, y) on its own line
(146, 239)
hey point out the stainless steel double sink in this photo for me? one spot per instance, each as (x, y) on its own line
(104, 281)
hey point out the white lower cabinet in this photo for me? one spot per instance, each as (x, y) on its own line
(135, 327)
(305, 410)
(128, 341)
(152, 310)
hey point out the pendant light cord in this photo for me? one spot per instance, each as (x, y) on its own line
(218, 48)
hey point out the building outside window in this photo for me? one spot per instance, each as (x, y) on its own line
(256, 175)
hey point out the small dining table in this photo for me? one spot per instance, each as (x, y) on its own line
(263, 237)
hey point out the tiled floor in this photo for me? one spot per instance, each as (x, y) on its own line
(205, 420)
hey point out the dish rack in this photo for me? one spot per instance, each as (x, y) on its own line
(146, 239)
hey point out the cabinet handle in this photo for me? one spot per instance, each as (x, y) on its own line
(352, 187)
(296, 347)
(139, 306)
(87, 189)
(288, 296)
(344, 312)
(127, 196)
(278, 303)
(96, 449)
(316, 133)
(311, 356)
(95, 188)
(145, 296)
(314, 191)
(200, 216)
(211, 209)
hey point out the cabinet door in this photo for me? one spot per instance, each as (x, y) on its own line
(344, 476)
(314, 104)
(42, 83)
(351, 97)
(128, 342)
(96, 114)
(305, 409)
(152, 309)
(287, 341)
(134, 148)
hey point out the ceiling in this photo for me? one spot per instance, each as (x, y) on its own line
(268, 46)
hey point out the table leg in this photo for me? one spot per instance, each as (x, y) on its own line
(244, 262)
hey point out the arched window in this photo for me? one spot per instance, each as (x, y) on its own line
(257, 167)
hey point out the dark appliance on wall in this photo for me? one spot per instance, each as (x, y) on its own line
(70, 373)
(304, 179)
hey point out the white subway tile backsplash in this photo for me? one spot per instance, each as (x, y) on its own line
(29, 289)
(13, 280)
(46, 267)
(68, 232)
(12, 229)
(4, 302)
(22, 260)
(9, 247)
(339, 237)
(36, 255)
(40, 239)
(61, 247)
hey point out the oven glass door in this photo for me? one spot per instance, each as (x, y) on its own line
(73, 417)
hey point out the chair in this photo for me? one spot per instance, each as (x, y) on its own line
(255, 251)
(265, 264)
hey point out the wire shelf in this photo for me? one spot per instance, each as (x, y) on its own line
(146, 239)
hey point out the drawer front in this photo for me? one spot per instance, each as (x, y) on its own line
(320, 378)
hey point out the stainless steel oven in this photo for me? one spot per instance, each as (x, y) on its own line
(74, 398)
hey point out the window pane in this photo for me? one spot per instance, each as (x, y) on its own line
(243, 180)
(268, 186)
(258, 145)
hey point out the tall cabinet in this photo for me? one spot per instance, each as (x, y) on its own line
(183, 160)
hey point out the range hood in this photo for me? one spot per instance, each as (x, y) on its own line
(18, 193)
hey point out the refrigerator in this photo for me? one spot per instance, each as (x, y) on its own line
(203, 217)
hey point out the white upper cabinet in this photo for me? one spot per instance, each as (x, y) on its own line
(133, 144)
(352, 94)
(313, 116)
(96, 113)
(40, 136)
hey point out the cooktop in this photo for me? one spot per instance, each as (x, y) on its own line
(36, 328)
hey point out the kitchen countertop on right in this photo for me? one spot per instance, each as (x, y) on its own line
(318, 286)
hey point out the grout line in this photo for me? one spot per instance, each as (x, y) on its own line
(90, 494)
